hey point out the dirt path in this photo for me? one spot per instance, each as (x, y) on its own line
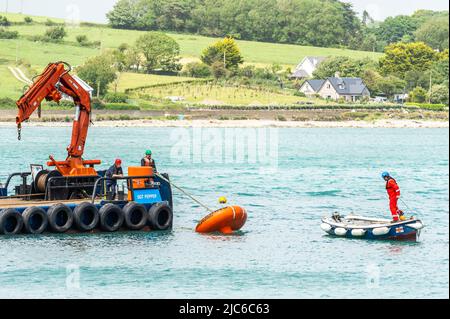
(19, 75)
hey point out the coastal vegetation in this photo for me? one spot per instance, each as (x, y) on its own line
(139, 63)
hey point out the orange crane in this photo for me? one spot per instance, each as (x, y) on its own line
(51, 85)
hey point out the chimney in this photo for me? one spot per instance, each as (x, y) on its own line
(337, 75)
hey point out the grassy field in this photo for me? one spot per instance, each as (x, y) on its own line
(17, 17)
(210, 94)
(192, 45)
(9, 86)
(40, 54)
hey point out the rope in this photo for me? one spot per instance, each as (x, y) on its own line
(409, 209)
(405, 204)
(185, 193)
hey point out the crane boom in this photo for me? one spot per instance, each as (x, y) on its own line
(51, 85)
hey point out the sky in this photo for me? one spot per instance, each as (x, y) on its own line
(95, 11)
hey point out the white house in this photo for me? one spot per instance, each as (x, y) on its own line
(335, 88)
(306, 67)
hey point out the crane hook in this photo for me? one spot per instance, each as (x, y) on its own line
(19, 131)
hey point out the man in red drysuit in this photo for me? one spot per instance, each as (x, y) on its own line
(393, 191)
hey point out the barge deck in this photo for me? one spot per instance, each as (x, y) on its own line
(19, 203)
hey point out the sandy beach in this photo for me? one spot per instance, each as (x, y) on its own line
(251, 124)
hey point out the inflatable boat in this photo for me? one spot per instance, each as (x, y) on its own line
(371, 228)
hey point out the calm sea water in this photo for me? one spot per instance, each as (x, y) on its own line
(281, 252)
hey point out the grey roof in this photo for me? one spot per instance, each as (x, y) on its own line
(348, 86)
(316, 84)
(299, 73)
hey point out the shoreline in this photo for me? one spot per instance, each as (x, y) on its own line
(250, 124)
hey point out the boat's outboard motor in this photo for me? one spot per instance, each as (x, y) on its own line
(337, 217)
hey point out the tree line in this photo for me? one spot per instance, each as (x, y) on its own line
(306, 22)
(430, 27)
(323, 23)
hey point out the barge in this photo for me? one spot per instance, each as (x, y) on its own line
(143, 203)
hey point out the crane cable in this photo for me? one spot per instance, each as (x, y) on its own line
(185, 193)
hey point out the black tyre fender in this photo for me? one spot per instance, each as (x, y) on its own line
(86, 216)
(111, 218)
(135, 216)
(60, 218)
(160, 216)
(11, 222)
(35, 220)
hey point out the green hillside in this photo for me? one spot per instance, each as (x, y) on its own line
(192, 45)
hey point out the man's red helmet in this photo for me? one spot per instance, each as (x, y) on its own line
(118, 162)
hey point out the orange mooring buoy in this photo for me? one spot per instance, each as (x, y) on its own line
(225, 220)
